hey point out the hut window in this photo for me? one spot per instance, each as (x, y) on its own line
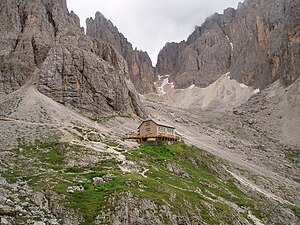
(161, 128)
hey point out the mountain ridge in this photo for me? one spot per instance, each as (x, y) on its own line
(46, 43)
(140, 69)
(66, 104)
(257, 43)
(253, 31)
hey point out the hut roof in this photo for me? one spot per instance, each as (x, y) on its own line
(159, 122)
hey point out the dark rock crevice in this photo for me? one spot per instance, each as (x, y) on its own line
(63, 79)
(23, 18)
(52, 22)
(35, 50)
(16, 44)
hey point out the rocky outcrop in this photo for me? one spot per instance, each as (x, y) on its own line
(141, 71)
(168, 57)
(258, 44)
(43, 43)
(201, 59)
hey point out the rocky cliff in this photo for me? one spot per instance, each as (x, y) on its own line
(258, 43)
(141, 71)
(42, 44)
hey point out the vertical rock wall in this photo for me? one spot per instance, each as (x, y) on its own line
(140, 69)
(43, 43)
(258, 43)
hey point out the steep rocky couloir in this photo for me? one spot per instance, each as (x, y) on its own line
(258, 43)
(141, 71)
(42, 43)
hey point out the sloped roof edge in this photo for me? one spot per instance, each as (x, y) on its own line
(158, 122)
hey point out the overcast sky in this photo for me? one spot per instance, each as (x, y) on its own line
(149, 24)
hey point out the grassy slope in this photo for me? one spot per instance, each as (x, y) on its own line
(198, 181)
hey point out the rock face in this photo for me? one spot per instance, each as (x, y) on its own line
(140, 68)
(258, 43)
(43, 43)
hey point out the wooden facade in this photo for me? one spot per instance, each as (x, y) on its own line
(148, 128)
(153, 130)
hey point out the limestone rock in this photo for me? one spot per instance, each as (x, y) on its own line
(258, 43)
(104, 179)
(172, 167)
(97, 180)
(42, 44)
(39, 223)
(38, 198)
(140, 69)
(72, 189)
(93, 136)
(168, 57)
(7, 211)
(66, 215)
(3, 181)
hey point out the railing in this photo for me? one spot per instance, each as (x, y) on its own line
(167, 136)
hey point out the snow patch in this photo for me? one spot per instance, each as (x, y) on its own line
(227, 75)
(243, 85)
(165, 81)
(231, 44)
(161, 88)
(224, 94)
(256, 91)
(192, 86)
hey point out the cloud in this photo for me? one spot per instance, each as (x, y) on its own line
(149, 24)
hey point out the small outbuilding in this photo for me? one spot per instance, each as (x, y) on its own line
(154, 131)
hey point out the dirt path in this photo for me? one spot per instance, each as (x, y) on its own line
(208, 143)
(235, 159)
(5, 118)
(258, 189)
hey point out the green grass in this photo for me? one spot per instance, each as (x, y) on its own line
(290, 157)
(203, 175)
(92, 199)
(295, 209)
(74, 169)
(297, 180)
(205, 179)
(11, 176)
(112, 143)
(156, 187)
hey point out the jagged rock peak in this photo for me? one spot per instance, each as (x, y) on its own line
(258, 43)
(99, 14)
(43, 43)
(141, 71)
